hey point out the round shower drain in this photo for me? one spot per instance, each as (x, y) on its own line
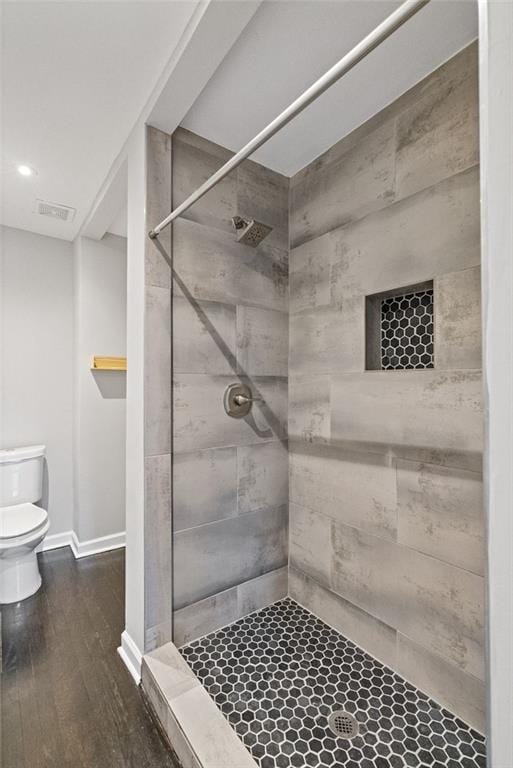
(343, 725)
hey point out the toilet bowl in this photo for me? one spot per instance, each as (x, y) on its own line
(22, 528)
(23, 525)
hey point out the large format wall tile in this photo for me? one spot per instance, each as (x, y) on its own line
(230, 324)
(358, 489)
(227, 553)
(310, 273)
(262, 341)
(194, 161)
(364, 571)
(233, 481)
(458, 319)
(433, 134)
(446, 683)
(157, 535)
(204, 487)
(438, 134)
(157, 271)
(263, 195)
(310, 543)
(418, 408)
(309, 408)
(262, 591)
(251, 191)
(328, 339)
(225, 607)
(205, 616)
(209, 264)
(442, 607)
(157, 396)
(204, 335)
(386, 524)
(157, 372)
(200, 420)
(363, 629)
(358, 181)
(440, 513)
(262, 476)
(432, 233)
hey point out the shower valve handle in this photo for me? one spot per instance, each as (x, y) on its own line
(238, 400)
(243, 399)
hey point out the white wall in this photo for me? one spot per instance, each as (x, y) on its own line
(133, 637)
(99, 396)
(61, 304)
(36, 358)
(496, 130)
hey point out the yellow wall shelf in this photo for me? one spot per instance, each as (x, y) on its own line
(108, 364)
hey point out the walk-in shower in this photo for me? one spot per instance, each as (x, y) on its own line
(324, 560)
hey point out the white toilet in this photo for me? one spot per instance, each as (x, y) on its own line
(23, 525)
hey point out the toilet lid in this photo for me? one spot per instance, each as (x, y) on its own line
(20, 519)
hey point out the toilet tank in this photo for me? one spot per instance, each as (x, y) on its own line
(21, 475)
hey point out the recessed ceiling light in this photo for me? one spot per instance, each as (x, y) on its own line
(25, 170)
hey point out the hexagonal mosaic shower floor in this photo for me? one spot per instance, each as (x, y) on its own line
(278, 674)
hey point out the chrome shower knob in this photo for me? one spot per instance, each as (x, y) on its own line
(238, 400)
(243, 399)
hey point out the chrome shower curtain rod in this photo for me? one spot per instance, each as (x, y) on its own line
(347, 62)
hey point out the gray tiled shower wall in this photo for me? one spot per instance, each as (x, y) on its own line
(386, 520)
(157, 397)
(386, 526)
(230, 322)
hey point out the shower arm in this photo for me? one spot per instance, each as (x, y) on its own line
(347, 62)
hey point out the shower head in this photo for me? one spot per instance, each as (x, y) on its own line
(250, 232)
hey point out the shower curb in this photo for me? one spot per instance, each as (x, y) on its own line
(198, 732)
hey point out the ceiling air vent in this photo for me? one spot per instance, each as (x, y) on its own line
(55, 211)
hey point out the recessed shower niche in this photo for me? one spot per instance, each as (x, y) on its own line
(400, 329)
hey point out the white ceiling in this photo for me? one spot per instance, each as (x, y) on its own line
(77, 74)
(288, 45)
(75, 77)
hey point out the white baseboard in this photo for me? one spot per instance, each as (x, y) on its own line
(82, 548)
(131, 656)
(94, 546)
(55, 541)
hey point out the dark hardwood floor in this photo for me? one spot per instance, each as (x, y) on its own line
(66, 697)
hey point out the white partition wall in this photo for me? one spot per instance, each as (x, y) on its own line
(496, 101)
